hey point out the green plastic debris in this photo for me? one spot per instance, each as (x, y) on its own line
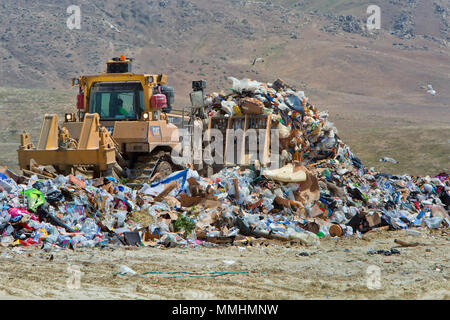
(320, 234)
(35, 198)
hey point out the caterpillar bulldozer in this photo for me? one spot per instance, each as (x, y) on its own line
(123, 126)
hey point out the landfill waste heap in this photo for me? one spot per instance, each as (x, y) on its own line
(320, 190)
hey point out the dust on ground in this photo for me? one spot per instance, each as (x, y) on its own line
(337, 269)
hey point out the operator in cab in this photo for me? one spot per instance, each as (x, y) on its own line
(120, 109)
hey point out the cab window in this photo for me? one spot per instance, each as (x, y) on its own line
(115, 101)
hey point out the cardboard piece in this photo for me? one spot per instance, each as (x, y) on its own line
(167, 189)
(255, 205)
(77, 182)
(98, 182)
(251, 106)
(282, 202)
(200, 233)
(373, 219)
(9, 174)
(311, 227)
(151, 236)
(316, 211)
(210, 204)
(187, 201)
(308, 189)
(236, 189)
(220, 240)
(279, 84)
(335, 190)
(194, 187)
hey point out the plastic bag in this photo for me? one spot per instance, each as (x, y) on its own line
(246, 85)
(9, 185)
(229, 107)
(120, 216)
(283, 131)
(295, 103)
(433, 223)
(90, 228)
(306, 238)
(283, 107)
(54, 196)
(127, 270)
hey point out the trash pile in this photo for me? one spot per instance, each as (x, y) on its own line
(320, 190)
(306, 135)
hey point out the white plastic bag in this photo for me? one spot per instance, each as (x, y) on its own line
(283, 131)
(127, 270)
(228, 107)
(246, 85)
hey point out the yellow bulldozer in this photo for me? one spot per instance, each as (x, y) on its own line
(123, 123)
(124, 126)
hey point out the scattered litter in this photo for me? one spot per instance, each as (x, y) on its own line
(257, 60)
(383, 252)
(303, 254)
(414, 233)
(391, 160)
(431, 90)
(127, 270)
(320, 190)
(111, 25)
(406, 244)
(439, 268)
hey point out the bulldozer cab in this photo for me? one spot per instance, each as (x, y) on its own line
(117, 101)
(118, 94)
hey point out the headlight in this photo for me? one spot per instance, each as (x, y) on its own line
(145, 116)
(70, 117)
(150, 79)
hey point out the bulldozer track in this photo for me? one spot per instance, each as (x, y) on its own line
(149, 168)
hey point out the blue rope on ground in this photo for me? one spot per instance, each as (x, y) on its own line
(190, 274)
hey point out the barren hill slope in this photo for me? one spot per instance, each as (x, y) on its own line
(203, 38)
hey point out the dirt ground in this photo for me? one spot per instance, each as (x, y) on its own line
(339, 268)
